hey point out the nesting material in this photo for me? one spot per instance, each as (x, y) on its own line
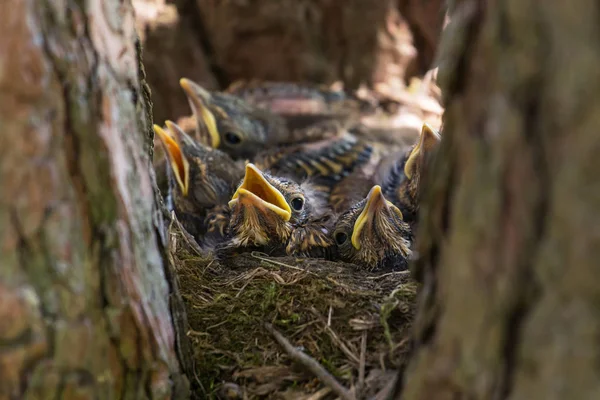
(353, 323)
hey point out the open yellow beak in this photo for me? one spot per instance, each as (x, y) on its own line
(255, 189)
(427, 140)
(179, 164)
(376, 204)
(199, 98)
(180, 136)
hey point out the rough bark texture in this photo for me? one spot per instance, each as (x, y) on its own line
(320, 41)
(295, 40)
(355, 41)
(84, 303)
(509, 240)
(425, 19)
(172, 49)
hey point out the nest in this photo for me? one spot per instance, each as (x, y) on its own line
(353, 324)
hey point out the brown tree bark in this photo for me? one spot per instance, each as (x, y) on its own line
(172, 49)
(509, 242)
(84, 303)
(425, 19)
(354, 41)
(318, 41)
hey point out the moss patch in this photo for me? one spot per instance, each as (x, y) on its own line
(323, 308)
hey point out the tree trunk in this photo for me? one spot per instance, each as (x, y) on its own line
(509, 242)
(216, 43)
(84, 303)
(172, 50)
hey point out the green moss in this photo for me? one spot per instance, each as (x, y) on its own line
(228, 305)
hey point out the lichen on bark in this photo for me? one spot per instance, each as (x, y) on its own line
(82, 271)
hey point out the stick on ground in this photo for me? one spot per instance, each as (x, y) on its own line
(363, 355)
(311, 364)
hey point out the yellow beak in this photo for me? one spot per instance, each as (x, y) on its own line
(256, 190)
(376, 204)
(427, 140)
(179, 164)
(199, 98)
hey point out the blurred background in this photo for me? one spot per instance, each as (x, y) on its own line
(379, 50)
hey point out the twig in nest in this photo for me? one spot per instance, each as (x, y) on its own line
(320, 394)
(335, 338)
(258, 271)
(317, 369)
(244, 277)
(363, 355)
(189, 240)
(217, 325)
(399, 273)
(341, 285)
(171, 217)
(388, 390)
(263, 257)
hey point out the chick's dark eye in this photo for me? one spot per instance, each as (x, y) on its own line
(232, 138)
(340, 238)
(297, 203)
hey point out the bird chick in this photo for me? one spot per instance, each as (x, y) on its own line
(266, 210)
(302, 105)
(372, 234)
(160, 160)
(226, 122)
(355, 186)
(202, 177)
(400, 175)
(325, 162)
(241, 124)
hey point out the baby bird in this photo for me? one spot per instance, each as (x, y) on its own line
(400, 174)
(355, 186)
(325, 162)
(202, 177)
(275, 214)
(373, 235)
(242, 124)
(302, 105)
(226, 122)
